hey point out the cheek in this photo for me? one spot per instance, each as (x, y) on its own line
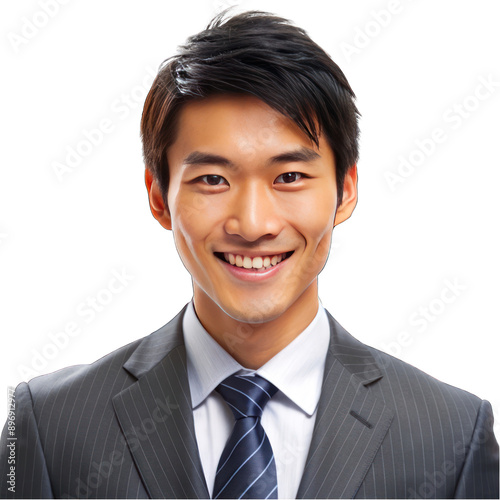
(315, 223)
(187, 226)
(194, 221)
(188, 209)
(315, 218)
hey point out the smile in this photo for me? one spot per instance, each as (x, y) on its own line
(263, 262)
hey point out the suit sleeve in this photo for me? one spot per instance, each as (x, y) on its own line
(22, 463)
(479, 476)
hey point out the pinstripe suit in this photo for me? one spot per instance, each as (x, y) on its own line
(123, 427)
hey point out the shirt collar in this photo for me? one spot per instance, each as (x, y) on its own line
(297, 370)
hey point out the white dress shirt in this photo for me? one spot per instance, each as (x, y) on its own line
(288, 418)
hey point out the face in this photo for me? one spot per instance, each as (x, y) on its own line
(252, 205)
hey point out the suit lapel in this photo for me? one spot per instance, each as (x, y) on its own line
(156, 417)
(350, 424)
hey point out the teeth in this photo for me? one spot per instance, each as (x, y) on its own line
(255, 263)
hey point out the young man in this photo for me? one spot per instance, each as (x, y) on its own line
(253, 390)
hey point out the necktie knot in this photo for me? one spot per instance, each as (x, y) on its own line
(246, 395)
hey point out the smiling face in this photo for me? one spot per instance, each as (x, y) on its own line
(252, 203)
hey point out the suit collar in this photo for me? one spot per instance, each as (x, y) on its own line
(350, 424)
(352, 354)
(153, 348)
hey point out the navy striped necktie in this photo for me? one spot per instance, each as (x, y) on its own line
(246, 468)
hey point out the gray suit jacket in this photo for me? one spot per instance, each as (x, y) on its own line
(122, 427)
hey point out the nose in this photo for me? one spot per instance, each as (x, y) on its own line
(254, 213)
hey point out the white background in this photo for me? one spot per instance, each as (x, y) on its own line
(62, 238)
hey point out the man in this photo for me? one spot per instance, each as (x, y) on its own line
(253, 390)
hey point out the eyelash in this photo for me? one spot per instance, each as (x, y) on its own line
(203, 178)
(301, 176)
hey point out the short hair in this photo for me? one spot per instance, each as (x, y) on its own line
(260, 54)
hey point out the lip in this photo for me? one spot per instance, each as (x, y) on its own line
(253, 275)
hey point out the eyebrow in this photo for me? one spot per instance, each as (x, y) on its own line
(301, 154)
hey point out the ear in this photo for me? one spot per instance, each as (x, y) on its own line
(158, 207)
(349, 197)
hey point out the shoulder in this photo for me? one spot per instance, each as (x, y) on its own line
(69, 385)
(400, 377)
(402, 386)
(105, 377)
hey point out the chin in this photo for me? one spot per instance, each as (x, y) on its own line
(253, 311)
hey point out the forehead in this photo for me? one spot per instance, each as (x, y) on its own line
(225, 106)
(236, 125)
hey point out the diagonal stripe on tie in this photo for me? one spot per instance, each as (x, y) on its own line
(235, 446)
(246, 468)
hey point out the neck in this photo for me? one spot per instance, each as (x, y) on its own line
(254, 344)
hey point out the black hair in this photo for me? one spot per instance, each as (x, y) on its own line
(263, 55)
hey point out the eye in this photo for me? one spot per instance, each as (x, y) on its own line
(213, 180)
(289, 177)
